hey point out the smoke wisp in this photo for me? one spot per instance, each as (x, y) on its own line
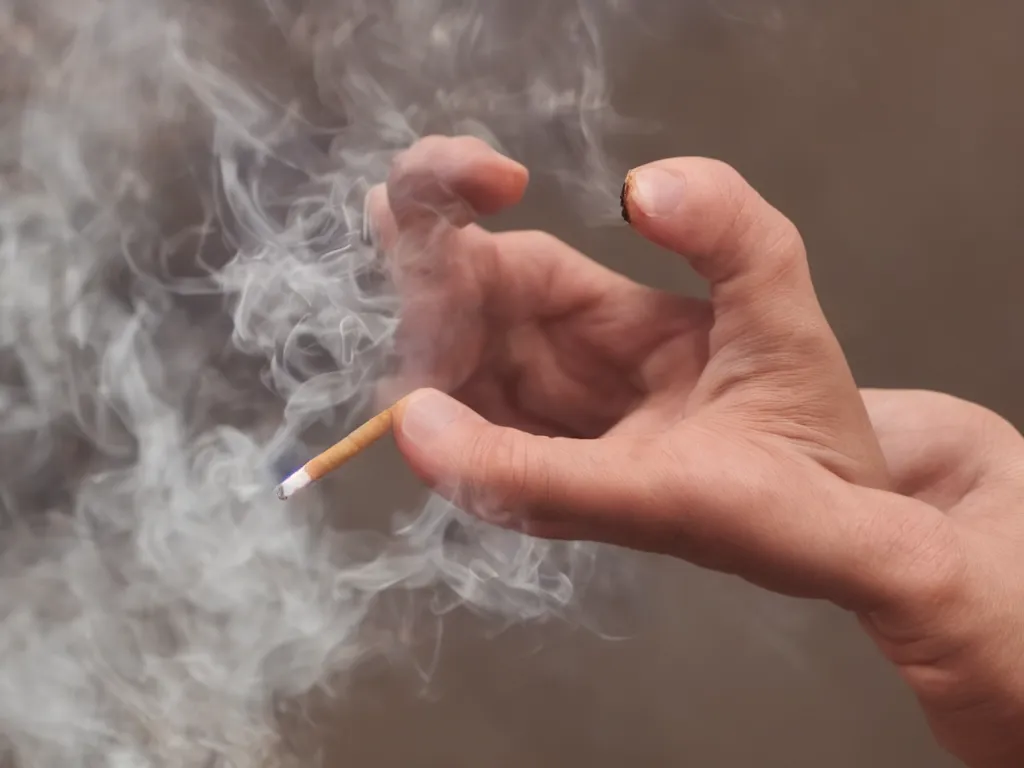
(184, 300)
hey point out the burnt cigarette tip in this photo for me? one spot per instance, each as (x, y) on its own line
(627, 188)
(293, 484)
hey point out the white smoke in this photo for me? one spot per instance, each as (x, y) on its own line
(184, 299)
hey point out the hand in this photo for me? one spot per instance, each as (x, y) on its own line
(605, 410)
(729, 433)
(963, 655)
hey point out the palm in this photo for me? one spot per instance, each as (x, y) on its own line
(572, 350)
(936, 445)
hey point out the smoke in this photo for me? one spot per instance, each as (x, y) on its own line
(186, 306)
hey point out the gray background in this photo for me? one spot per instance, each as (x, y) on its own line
(891, 133)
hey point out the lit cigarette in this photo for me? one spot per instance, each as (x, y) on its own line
(341, 452)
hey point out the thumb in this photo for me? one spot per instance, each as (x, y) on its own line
(502, 474)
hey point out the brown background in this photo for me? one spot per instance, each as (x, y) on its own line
(891, 133)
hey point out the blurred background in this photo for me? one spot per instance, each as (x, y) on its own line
(891, 134)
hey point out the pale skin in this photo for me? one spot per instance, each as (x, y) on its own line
(730, 433)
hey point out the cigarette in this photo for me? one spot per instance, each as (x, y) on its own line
(338, 454)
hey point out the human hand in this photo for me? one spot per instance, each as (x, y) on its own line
(729, 433)
(962, 651)
(607, 410)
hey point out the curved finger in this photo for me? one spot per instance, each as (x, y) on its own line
(454, 180)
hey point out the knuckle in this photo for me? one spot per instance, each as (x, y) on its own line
(751, 225)
(783, 251)
(731, 195)
(784, 241)
(929, 562)
(469, 142)
(732, 188)
(432, 150)
(727, 177)
(728, 188)
(432, 143)
(402, 168)
(417, 159)
(505, 475)
(539, 241)
(427, 180)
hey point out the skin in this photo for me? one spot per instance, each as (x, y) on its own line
(558, 398)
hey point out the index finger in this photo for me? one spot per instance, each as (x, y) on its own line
(455, 180)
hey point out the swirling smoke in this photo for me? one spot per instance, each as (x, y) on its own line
(184, 300)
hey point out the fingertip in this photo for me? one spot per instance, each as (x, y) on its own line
(458, 177)
(417, 456)
(510, 180)
(706, 211)
(426, 424)
(665, 194)
(485, 178)
(624, 198)
(653, 192)
(657, 202)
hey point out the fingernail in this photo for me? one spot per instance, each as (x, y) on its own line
(655, 191)
(428, 415)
